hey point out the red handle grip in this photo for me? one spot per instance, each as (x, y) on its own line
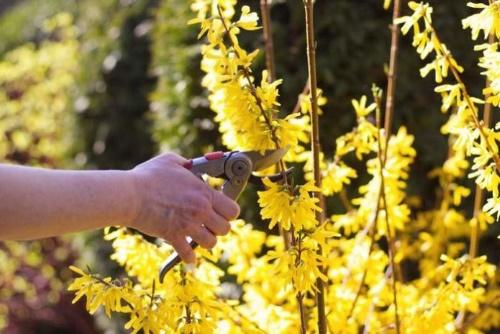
(188, 165)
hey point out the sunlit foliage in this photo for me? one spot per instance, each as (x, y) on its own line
(36, 129)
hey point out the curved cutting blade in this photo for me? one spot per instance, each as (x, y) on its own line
(266, 159)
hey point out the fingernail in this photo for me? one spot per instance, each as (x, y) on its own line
(190, 267)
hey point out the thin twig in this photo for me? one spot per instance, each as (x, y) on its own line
(365, 271)
(389, 102)
(391, 75)
(297, 243)
(315, 147)
(390, 240)
(305, 91)
(300, 296)
(478, 198)
(253, 91)
(473, 110)
(242, 316)
(462, 328)
(391, 258)
(186, 307)
(268, 39)
(265, 12)
(345, 200)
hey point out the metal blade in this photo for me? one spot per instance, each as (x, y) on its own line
(267, 159)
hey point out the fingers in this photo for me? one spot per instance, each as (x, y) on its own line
(204, 237)
(184, 250)
(224, 206)
(217, 224)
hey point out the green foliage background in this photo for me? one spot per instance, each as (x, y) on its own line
(139, 90)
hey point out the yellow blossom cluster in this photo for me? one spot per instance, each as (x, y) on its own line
(471, 137)
(185, 302)
(246, 112)
(35, 82)
(289, 211)
(400, 154)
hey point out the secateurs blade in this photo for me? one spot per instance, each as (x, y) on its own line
(236, 169)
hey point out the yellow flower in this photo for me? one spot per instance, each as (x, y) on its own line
(248, 20)
(335, 177)
(360, 107)
(305, 102)
(302, 266)
(293, 131)
(459, 192)
(491, 63)
(452, 95)
(420, 10)
(488, 20)
(276, 205)
(139, 257)
(281, 207)
(101, 292)
(239, 247)
(492, 206)
(268, 92)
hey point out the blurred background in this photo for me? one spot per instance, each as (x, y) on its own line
(106, 84)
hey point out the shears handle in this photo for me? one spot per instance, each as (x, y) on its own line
(173, 260)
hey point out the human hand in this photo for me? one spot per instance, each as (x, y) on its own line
(175, 204)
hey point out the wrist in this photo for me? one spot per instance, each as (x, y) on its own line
(133, 204)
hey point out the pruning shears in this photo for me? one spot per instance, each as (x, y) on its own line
(236, 169)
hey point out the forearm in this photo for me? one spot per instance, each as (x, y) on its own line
(37, 203)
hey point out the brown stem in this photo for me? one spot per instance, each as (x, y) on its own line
(473, 110)
(268, 39)
(186, 307)
(345, 200)
(390, 240)
(478, 198)
(253, 91)
(391, 91)
(271, 68)
(393, 266)
(247, 74)
(305, 91)
(315, 147)
(300, 296)
(303, 323)
(365, 271)
(462, 328)
(238, 322)
(289, 238)
(389, 113)
(391, 75)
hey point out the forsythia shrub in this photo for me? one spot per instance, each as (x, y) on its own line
(351, 260)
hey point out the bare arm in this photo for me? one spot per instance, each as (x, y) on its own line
(37, 203)
(158, 197)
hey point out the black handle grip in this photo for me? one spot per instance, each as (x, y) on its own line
(172, 261)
